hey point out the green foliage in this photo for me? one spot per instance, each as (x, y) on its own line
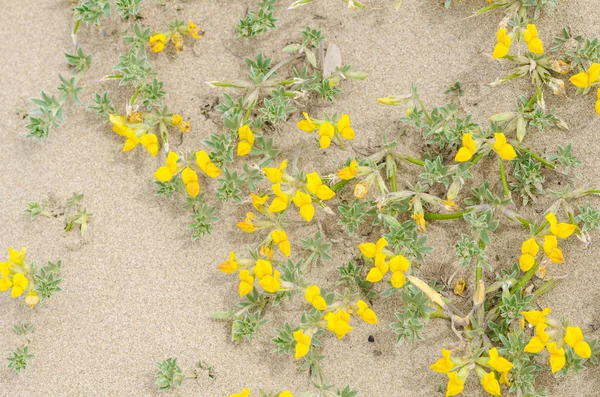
(319, 249)
(133, 68)
(128, 8)
(47, 281)
(17, 361)
(352, 275)
(169, 375)
(259, 22)
(580, 52)
(404, 238)
(589, 217)
(102, 105)
(152, 94)
(284, 340)
(79, 61)
(413, 316)
(481, 225)
(565, 159)
(92, 11)
(353, 215)
(529, 180)
(201, 215)
(467, 250)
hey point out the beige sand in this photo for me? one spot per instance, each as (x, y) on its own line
(137, 290)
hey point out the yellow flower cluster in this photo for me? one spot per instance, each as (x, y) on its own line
(188, 176)
(249, 270)
(530, 247)
(397, 264)
(337, 320)
(530, 37)
(547, 335)
(458, 370)
(157, 41)
(138, 127)
(469, 147)
(246, 142)
(15, 275)
(286, 188)
(327, 131)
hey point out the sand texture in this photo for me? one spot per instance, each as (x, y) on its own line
(137, 290)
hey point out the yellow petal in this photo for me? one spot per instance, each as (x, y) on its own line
(163, 174)
(580, 80)
(463, 155)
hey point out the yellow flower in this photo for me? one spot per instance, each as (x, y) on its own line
(361, 190)
(504, 378)
(131, 142)
(557, 357)
(504, 149)
(326, 132)
(150, 142)
(534, 43)
(259, 201)
(366, 314)
(307, 125)
(313, 296)
(157, 42)
(302, 344)
(279, 237)
(119, 125)
(275, 175)
(194, 30)
(586, 79)
(498, 363)
(574, 338)
(398, 265)
(190, 179)
(535, 317)
(32, 298)
(348, 173)
(455, 384)
(318, 188)
(247, 224)
(184, 126)
(230, 265)
(246, 140)
(551, 249)
(207, 166)
(267, 251)
(503, 44)
(166, 172)
(304, 202)
(343, 126)
(529, 250)
(286, 393)
(5, 283)
(537, 343)
(262, 268)
(419, 218)
(177, 40)
(246, 283)
(371, 249)
(281, 201)
(490, 384)
(19, 285)
(15, 256)
(338, 323)
(466, 152)
(243, 393)
(271, 283)
(562, 230)
(597, 106)
(444, 365)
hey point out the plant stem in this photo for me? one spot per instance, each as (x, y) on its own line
(477, 158)
(337, 136)
(478, 267)
(441, 217)
(339, 185)
(414, 161)
(539, 158)
(503, 178)
(526, 277)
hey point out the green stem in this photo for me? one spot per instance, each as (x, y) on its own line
(523, 221)
(479, 267)
(503, 178)
(441, 217)
(413, 160)
(135, 95)
(427, 116)
(76, 27)
(526, 277)
(539, 158)
(393, 181)
(337, 137)
(339, 185)
(592, 191)
(477, 158)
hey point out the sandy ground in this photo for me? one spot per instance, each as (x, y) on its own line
(137, 290)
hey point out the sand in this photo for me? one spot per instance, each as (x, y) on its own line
(137, 290)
